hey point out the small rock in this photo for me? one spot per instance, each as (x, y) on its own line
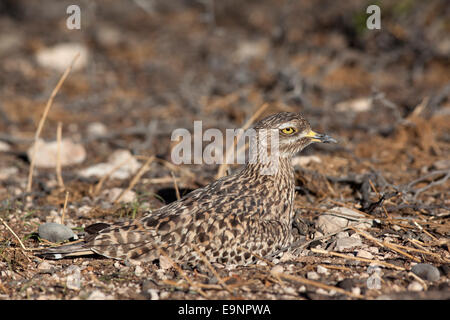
(312, 275)
(96, 129)
(45, 267)
(251, 49)
(138, 271)
(70, 153)
(356, 290)
(276, 269)
(96, 295)
(347, 243)
(164, 263)
(153, 294)
(355, 105)
(61, 55)
(426, 271)
(364, 254)
(4, 146)
(112, 194)
(340, 217)
(322, 270)
(128, 165)
(415, 286)
(343, 234)
(290, 290)
(73, 280)
(55, 232)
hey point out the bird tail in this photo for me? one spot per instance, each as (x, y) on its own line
(69, 250)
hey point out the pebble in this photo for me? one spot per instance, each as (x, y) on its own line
(342, 217)
(55, 232)
(61, 55)
(128, 165)
(426, 271)
(97, 129)
(96, 295)
(276, 269)
(138, 271)
(322, 270)
(415, 286)
(4, 146)
(112, 194)
(355, 105)
(73, 280)
(364, 254)
(347, 243)
(70, 153)
(312, 275)
(45, 267)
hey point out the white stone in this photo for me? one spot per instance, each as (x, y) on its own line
(122, 161)
(356, 291)
(164, 263)
(45, 267)
(73, 280)
(322, 270)
(364, 254)
(276, 269)
(97, 129)
(4, 146)
(70, 153)
(153, 294)
(60, 56)
(355, 105)
(340, 217)
(343, 244)
(312, 275)
(138, 271)
(415, 286)
(112, 194)
(97, 295)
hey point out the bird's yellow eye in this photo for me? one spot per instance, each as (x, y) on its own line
(289, 130)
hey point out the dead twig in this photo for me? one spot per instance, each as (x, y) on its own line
(136, 178)
(58, 156)
(44, 116)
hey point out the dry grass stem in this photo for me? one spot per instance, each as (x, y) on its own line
(136, 178)
(64, 207)
(44, 116)
(58, 156)
(317, 284)
(175, 185)
(382, 263)
(100, 183)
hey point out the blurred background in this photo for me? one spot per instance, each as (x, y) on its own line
(148, 67)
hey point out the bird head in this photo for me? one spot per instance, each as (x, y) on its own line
(286, 134)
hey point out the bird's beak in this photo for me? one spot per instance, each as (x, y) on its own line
(319, 137)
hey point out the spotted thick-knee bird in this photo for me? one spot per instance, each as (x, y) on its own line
(247, 212)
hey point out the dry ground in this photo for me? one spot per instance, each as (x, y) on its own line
(159, 67)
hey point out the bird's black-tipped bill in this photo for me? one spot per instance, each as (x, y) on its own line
(320, 137)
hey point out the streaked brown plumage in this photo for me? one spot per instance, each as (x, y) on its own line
(244, 212)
